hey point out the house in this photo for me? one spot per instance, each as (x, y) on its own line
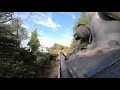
(43, 49)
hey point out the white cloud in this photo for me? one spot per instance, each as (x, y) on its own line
(72, 25)
(22, 15)
(7, 22)
(46, 42)
(40, 33)
(29, 34)
(24, 43)
(45, 20)
(64, 40)
(25, 26)
(49, 42)
(73, 16)
(66, 35)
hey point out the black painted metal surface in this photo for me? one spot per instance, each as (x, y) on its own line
(99, 63)
(90, 66)
(104, 64)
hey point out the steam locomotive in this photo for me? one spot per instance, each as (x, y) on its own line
(101, 59)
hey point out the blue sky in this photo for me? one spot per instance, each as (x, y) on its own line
(52, 27)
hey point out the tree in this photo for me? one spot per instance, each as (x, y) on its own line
(58, 47)
(18, 29)
(5, 16)
(34, 42)
(15, 62)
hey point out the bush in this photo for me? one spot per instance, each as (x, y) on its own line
(19, 65)
(53, 56)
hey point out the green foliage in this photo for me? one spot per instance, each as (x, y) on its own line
(55, 50)
(81, 20)
(44, 64)
(17, 65)
(34, 42)
(16, 24)
(42, 57)
(53, 56)
(72, 45)
(58, 47)
(14, 62)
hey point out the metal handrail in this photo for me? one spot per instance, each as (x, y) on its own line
(64, 70)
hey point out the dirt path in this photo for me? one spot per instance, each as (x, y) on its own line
(55, 69)
(49, 70)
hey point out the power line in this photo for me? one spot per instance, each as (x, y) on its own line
(28, 16)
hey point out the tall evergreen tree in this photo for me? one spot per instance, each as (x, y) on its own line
(34, 43)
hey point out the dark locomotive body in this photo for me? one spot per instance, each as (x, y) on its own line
(102, 57)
